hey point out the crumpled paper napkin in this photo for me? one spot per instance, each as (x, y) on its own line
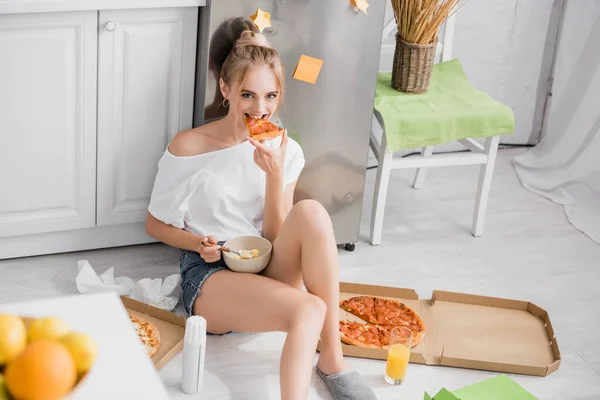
(154, 292)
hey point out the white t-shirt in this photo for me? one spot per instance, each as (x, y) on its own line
(221, 193)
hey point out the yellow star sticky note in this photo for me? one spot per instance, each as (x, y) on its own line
(361, 5)
(262, 19)
(308, 69)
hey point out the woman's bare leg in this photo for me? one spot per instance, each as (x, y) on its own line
(305, 250)
(253, 303)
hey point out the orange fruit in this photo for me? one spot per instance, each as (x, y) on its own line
(45, 370)
(13, 337)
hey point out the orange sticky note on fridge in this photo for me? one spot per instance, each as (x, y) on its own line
(361, 5)
(308, 69)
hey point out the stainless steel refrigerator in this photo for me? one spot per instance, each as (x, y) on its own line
(331, 119)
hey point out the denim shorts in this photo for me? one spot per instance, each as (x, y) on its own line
(194, 272)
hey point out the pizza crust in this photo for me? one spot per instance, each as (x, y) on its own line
(418, 338)
(358, 343)
(147, 332)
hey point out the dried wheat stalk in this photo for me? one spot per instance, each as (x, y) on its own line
(419, 20)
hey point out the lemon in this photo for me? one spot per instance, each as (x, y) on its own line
(83, 349)
(13, 337)
(3, 392)
(50, 328)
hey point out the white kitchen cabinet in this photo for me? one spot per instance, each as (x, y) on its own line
(89, 99)
(145, 96)
(47, 122)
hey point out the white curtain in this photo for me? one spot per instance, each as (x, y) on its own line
(565, 166)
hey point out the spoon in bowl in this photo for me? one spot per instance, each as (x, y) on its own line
(223, 248)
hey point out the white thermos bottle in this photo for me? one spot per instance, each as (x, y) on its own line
(194, 350)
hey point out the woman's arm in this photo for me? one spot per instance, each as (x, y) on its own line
(182, 239)
(277, 202)
(171, 235)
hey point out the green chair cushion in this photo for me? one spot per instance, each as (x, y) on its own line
(451, 109)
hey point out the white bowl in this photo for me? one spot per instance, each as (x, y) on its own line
(254, 265)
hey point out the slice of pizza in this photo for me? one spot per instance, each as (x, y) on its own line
(358, 334)
(385, 333)
(148, 333)
(262, 129)
(362, 307)
(391, 313)
(384, 315)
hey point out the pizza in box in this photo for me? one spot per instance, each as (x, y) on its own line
(380, 316)
(147, 332)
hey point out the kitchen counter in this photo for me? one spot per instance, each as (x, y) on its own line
(40, 6)
(122, 368)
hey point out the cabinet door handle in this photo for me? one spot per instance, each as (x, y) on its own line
(110, 26)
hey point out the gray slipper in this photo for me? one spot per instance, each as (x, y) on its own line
(347, 385)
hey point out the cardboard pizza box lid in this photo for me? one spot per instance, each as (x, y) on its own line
(382, 291)
(493, 334)
(170, 326)
(470, 331)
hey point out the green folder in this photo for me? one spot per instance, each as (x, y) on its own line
(500, 387)
(442, 395)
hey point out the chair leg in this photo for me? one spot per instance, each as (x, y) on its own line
(427, 151)
(373, 144)
(381, 186)
(485, 182)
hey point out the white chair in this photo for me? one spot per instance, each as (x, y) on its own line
(481, 155)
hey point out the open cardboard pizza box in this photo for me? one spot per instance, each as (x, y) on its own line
(170, 326)
(470, 331)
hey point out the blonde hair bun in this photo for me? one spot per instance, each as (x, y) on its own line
(250, 38)
(251, 48)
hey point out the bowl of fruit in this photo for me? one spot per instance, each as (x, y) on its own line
(41, 358)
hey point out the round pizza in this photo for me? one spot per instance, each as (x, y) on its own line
(148, 333)
(383, 314)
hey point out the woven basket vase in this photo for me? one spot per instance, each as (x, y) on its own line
(411, 71)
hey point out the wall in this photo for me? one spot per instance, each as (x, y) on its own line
(564, 166)
(506, 48)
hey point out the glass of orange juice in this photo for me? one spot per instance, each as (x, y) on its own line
(398, 355)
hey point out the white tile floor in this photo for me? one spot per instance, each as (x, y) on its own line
(529, 251)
